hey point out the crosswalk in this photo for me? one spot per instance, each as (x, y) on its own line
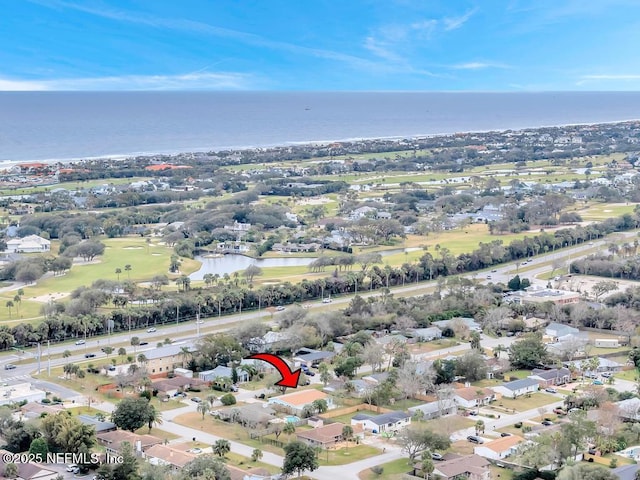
(16, 377)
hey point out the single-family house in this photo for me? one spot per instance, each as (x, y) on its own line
(435, 409)
(36, 409)
(383, 423)
(328, 435)
(223, 372)
(499, 448)
(604, 365)
(426, 334)
(26, 470)
(100, 426)
(556, 331)
(469, 467)
(168, 387)
(166, 455)
(376, 378)
(296, 402)
(251, 415)
(629, 409)
(112, 441)
(309, 356)
(470, 397)
(551, 377)
(28, 244)
(469, 322)
(517, 387)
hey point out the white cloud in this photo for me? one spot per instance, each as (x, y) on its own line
(608, 78)
(478, 65)
(7, 85)
(189, 81)
(453, 23)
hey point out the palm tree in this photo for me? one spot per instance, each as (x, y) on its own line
(289, 428)
(142, 358)
(221, 447)
(185, 352)
(118, 272)
(498, 349)
(203, 408)
(122, 352)
(17, 299)
(66, 354)
(251, 370)
(426, 465)
(154, 417)
(9, 305)
(127, 268)
(347, 434)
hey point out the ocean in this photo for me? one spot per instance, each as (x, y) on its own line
(73, 125)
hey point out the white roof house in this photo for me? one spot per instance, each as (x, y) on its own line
(28, 244)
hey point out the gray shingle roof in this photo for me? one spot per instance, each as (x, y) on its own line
(518, 384)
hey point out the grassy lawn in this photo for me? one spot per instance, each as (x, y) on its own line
(394, 470)
(501, 473)
(343, 456)
(450, 424)
(523, 403)
(404, 404)
(247, 465)
(630, 375)
(230, 431)
(118, 253)
(517, 374)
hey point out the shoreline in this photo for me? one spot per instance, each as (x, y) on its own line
(5, 163)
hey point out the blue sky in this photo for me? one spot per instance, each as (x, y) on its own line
(355, 45)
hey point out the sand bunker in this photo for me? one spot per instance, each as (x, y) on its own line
(132, 248)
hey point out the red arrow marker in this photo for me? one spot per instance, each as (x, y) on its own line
(289, 378)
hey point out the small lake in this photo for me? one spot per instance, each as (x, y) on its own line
(233, 263)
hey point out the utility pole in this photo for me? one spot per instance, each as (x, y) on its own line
(48, 359)
(177, 317)
(39, 355)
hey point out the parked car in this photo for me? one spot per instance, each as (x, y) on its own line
(546, 423)
(80, 342)
(437, 456)
(505, 434)
(559, 411)
(607, 374)
(279, 308)
(151, 329)
(326, 300)
(9, 366)
(234, 388)
(475, 439)
(112, 368)
(550, 390)
(195, 450)
(196, 399)
(473, 412)
(89, 355)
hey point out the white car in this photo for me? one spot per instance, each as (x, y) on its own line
(326, 300)
(151, 329)
(279, 308)
(80, 342)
